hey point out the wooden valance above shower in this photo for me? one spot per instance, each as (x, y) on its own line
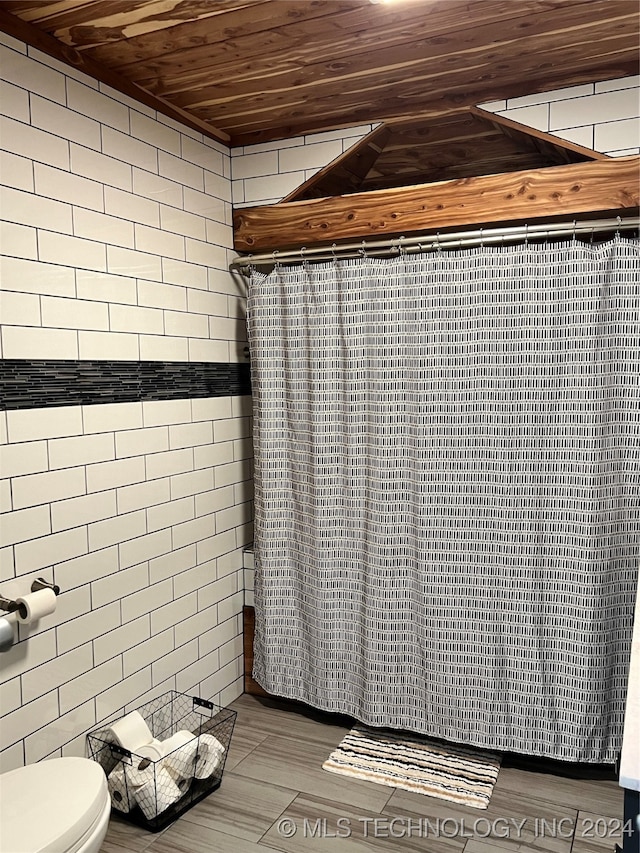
(575, 190)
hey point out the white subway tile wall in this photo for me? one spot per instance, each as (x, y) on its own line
(604, 116)
(265, 173)
(116, 246)
(145, 541)
(113, 201)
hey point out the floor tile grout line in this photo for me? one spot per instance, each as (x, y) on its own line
(253, 749)
(279, 817)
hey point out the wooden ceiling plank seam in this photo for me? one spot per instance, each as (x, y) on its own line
(360, 37)
(61, 18)
(80, 15)
(389, 66)
(417, 71)
(38, 12)
(378, 61)
(398, 144)
(484, 161)
(234, 26)
(420, 134)
(115, 28)
(47, 44)
(452, 88)
(447, 100)
(589, 187)
(459, 173)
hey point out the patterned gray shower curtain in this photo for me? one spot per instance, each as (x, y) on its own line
(447, 491)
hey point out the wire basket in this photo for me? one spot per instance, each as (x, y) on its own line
(184, 762)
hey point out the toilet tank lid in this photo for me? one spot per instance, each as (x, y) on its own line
(47, 806)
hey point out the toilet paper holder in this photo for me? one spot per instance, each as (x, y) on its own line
(9, 605)
(42, 583)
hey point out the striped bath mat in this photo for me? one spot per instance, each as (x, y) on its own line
(413, 763)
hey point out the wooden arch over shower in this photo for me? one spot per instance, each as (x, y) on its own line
(488, 171)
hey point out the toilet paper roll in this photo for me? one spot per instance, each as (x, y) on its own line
(155, 796)
(183, 782)
(141, 771)
(131, 732)
(210, 753)
(121, 793)
(35, 605)
(180, 752)
(153, 751)
(144, 763)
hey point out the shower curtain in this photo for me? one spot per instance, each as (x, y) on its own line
(447, 491)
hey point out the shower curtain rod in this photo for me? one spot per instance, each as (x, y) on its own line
(423, 242)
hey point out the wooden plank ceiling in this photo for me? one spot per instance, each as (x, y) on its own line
(260, 70)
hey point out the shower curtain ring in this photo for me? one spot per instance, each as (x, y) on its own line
(481, 239)
(333, 252)
(573, 234)
(438, 246)
(363, 250)
(618, 233)
(526, 234)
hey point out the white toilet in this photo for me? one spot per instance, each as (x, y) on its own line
(56, 806)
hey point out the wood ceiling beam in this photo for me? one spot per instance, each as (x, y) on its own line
(580, 188)
(40, 40)
(538, 139)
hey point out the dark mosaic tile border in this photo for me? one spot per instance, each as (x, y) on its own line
(34, 384)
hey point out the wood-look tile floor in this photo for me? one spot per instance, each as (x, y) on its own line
(275, 796)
